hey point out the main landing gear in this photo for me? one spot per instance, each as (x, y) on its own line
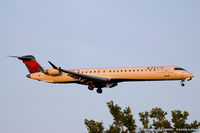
(99, 90)
(182, 83)
(91, 87)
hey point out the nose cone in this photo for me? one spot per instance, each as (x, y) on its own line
(28, 76)
(191, 75)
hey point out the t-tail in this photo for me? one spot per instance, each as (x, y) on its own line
(29, 60)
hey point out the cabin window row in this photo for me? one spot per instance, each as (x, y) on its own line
(137, 70)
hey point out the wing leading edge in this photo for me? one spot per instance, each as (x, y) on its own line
(92, 81)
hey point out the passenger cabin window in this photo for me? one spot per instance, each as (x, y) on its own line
(121, 70)
(125, 70)
(179, 69)
(129, 70)
(109, 70)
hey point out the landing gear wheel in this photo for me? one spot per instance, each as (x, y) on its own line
(182, 84)
(99, 90)
(91, 87)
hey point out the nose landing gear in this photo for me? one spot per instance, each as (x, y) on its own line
(182, 83)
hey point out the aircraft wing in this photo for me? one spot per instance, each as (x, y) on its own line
(83, 78)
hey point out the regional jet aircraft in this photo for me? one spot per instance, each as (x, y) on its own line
(102, 77)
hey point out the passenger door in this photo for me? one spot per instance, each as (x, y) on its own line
(166, 72)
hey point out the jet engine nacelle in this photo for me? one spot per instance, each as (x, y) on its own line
(53, 72)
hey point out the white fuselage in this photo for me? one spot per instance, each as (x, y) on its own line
(120, 74)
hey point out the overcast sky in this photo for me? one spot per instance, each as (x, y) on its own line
(94, 33)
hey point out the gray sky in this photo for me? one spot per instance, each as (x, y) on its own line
(94, 33)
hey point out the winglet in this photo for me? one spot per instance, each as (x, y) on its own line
(55, 67)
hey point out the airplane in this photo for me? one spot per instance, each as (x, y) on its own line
(102, 77)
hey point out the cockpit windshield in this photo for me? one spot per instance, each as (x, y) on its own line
(178, 68)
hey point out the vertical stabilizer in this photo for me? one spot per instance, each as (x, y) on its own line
(32, 65)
